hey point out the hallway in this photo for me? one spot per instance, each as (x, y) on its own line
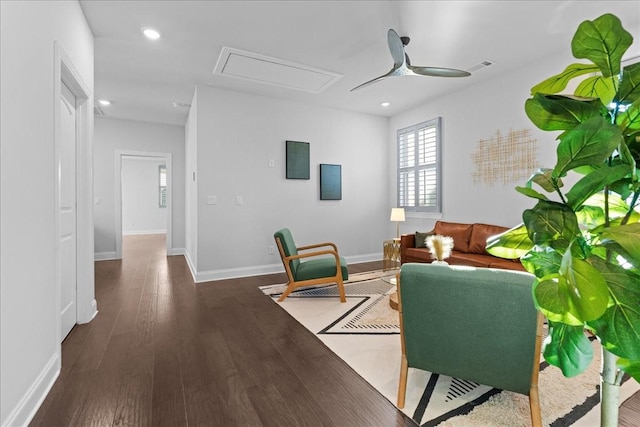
(164, 351)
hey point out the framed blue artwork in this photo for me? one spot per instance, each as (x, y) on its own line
(330, 182)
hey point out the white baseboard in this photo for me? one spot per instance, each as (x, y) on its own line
(26, 409)
(93, 313)
(104, 256)
(232, 273)
(191, 266)
(177, 251)
(139, 232)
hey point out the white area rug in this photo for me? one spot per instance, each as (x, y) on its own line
(364, 332)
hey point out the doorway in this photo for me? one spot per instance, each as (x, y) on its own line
(122, 156)
(74, 298)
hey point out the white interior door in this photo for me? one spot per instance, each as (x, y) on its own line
(67, 203)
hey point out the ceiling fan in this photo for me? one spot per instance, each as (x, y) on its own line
(402, 65)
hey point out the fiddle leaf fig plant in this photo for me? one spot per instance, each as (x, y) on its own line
(583, 243)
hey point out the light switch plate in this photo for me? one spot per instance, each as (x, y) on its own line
(212, 200)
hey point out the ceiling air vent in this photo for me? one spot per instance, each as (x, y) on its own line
(273, 71)
(483, 64)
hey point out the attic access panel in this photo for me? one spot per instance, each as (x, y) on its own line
(264, 69)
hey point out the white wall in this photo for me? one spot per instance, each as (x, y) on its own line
(467, 117)
(191, 188)
(237, 135)
(113, 135)
(141, 211)
(29, 339)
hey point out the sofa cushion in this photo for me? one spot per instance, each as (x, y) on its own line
(421, 239)
(507, 264)
(479, 235)
(470, 260)
(459, 232)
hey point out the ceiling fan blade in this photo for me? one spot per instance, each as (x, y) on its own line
(439, 71)
(394, 72)
(402, 65)
(396, 48)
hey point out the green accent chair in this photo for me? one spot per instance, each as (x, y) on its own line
(476, 324)
(310, 268)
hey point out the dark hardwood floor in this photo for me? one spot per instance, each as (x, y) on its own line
(165, 351)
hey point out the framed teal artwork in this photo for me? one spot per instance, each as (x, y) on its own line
(330, 182)
(297, 160)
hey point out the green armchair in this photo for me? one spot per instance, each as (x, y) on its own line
(476, 324)
(310, 268)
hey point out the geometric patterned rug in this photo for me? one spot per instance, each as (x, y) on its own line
(364, 332)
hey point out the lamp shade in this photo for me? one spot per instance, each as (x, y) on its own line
(397, 214)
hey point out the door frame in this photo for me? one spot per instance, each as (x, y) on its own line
(117, 187)
(86, 306)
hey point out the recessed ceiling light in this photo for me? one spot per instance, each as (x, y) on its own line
(151, 34)
(104, 102)
(385, 104)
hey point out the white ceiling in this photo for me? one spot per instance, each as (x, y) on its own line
(144, 78)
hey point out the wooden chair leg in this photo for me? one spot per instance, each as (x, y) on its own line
(286, 293)
(402, 386)
(534, 404)
(343, 297)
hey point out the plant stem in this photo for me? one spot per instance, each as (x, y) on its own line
(609, 390)
(625, 220)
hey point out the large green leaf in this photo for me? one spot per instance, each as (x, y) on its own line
(619, 327)
(617, 206)
(603, 41)
(630, 118)
(631, 367)
(551, 223)
(557, 83)
(547, 299)
(627, 236)
(530, 192)
(544, 178)
(589, 143)
(590, 216)
(542, 261)
(603, 88)
(511, 244)
(568, 349)
(594, 182)
(584, 291)
(629, 89)
(559, 112)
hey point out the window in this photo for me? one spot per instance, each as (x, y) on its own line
(163, 185)
(419, 167)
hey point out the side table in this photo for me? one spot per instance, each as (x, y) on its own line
(391, 254)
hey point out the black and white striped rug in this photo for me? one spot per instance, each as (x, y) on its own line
(364, 332)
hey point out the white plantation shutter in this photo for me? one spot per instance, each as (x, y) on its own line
(419, 167)
(162, 172)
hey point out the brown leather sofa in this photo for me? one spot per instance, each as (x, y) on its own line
(469, 241)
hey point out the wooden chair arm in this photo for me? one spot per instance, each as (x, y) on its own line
(312, 254)
(318, 245)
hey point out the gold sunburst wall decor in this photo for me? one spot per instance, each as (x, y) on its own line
(505, 158)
